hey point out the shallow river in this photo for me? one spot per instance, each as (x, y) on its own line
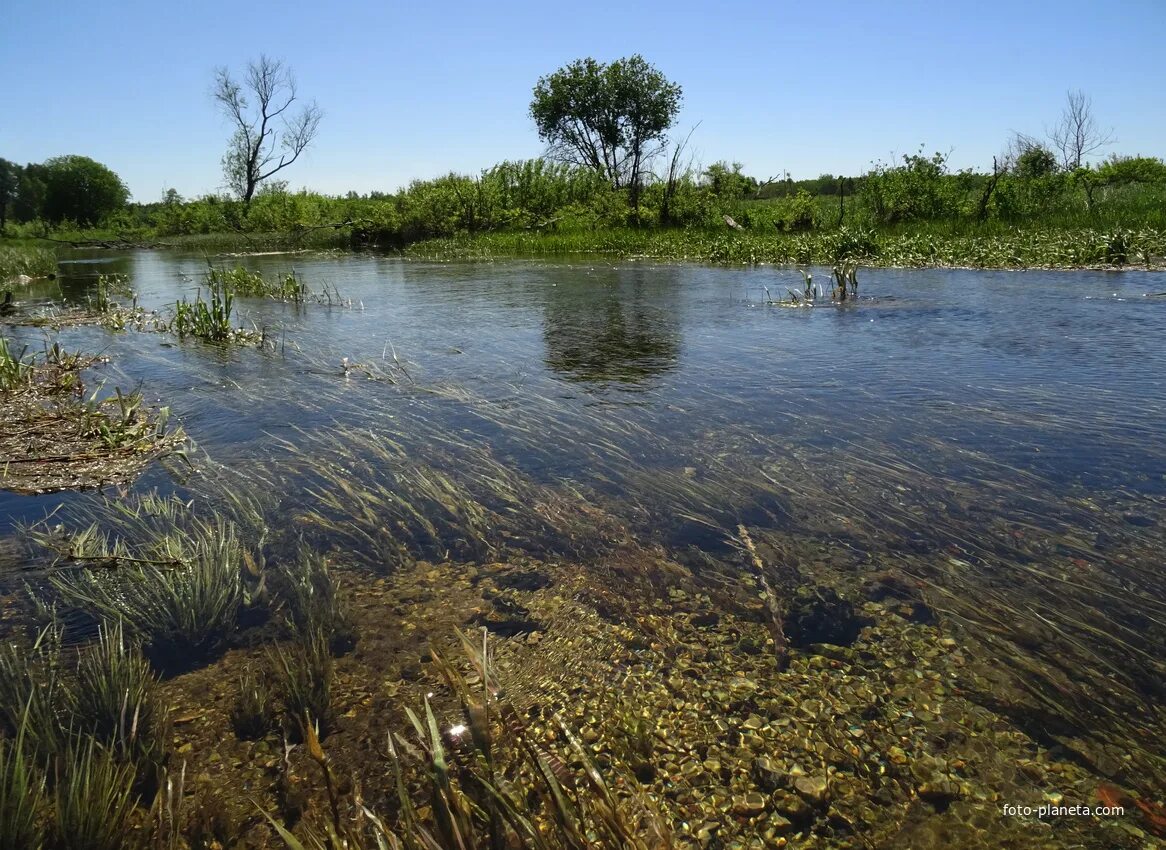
(998, 438)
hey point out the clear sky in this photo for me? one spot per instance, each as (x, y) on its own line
(418, 89)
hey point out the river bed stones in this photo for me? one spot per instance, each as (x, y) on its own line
(875, 739)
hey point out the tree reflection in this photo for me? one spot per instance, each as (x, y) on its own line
(622, 338)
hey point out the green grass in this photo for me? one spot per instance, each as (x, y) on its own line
(94, 798)
(32, 696)
(117, 702)
(252, 715)
(15, 369)
(303, 678)
(241, 281)
(18, 260)
(316, 602)
(180, 592)
(991, 246)
(22, 795)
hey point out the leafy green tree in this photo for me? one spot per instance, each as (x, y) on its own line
(917, 190)
(1119, 170)
(726, 181)
(9, 183)
(81, 190)
(266, 138)
(612, 118)
(1035, 162)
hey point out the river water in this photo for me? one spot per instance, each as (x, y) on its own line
(996, 436)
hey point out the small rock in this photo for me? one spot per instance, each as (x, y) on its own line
(939, 792)
(749, 805)
(812, 788)
(766, 774)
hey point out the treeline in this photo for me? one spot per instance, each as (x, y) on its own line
(73, 193)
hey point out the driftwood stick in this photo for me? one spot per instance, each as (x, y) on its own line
(776, 620)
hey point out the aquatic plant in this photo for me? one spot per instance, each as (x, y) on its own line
(32, 696)
(921, 245)
(120, 422)
(93, 799)
(16, 370)
(22, 795)
(180, 594)
(252, 714)
(16, 260)
(241, 281)
(489, 782)
(316, 602)
(107, 285)
(210, 321)
(117, 702)
(303, 680)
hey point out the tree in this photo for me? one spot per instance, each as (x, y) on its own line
(9, 183)
(1035, 162)
(266, 138)
(609, 117)
(81, 190)
(1077, 135)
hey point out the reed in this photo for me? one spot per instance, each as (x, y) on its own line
(16, 260)
(16, 370)
(241, 281)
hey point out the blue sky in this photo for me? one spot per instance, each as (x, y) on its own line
(419, 89)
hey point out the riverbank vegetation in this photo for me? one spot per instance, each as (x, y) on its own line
(1043, 202)
(913, 213)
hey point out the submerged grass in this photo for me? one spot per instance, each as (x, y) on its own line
(94, 797)
(174, 580)
(488, 782)
(303, 679)
(33, 698)
(316, 602)
(117, 702)
(22, 795)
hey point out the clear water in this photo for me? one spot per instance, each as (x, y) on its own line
(1056, 376)
(1000, 437)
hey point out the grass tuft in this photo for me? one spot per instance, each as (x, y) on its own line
(303, 679)
(316, 603)
(119, 705)
(94, 799)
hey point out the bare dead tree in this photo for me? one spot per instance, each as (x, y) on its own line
(266, 138)
(1077, 135)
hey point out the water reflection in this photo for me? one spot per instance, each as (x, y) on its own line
(624, 336)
